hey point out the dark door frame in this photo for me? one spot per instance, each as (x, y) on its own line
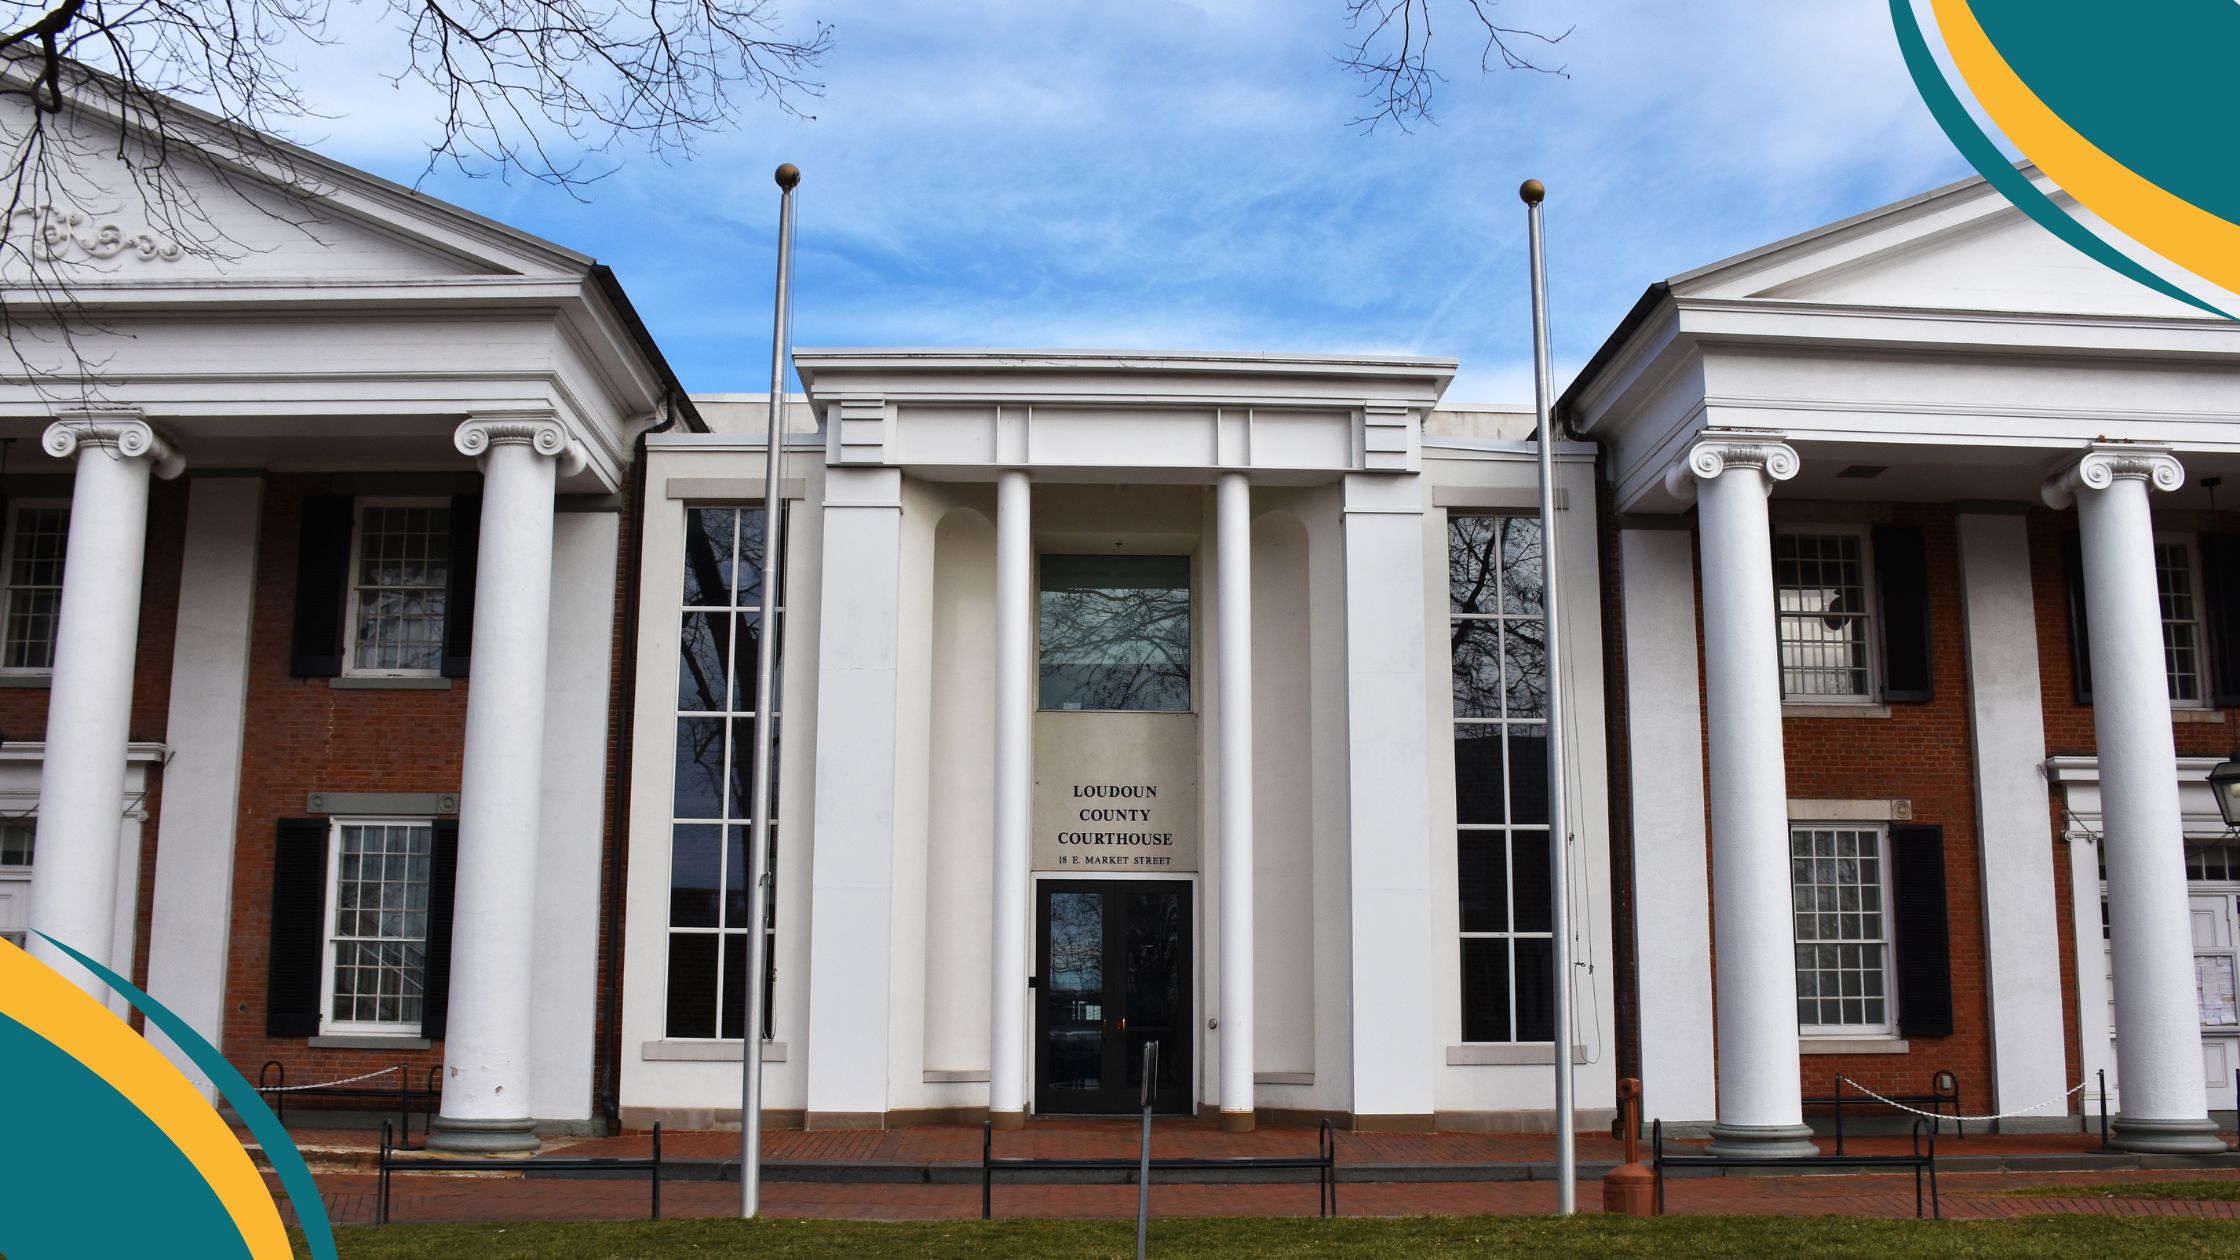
(1179, 1061)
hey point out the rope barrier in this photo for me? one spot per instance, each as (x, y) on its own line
(347, 1080)
(1938, 1115)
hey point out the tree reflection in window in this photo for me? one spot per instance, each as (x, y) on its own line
(1115, 632)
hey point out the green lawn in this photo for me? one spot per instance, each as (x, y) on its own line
(1586, 1238)
(2223, 1191)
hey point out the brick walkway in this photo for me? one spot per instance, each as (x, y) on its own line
(491, 1197)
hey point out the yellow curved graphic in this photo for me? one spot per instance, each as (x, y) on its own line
(2170, 226)
(58, 1011)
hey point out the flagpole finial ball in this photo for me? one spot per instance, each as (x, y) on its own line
(788, 176)
(1532, 190)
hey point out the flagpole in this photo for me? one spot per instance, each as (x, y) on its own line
(765, 729)
(1559, 835)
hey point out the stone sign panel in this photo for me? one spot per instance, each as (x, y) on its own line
(1115, 792)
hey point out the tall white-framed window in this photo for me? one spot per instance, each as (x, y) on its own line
(38, 539)
(2177, 580)
(1823, 593)
(375, 974)
(726, 611)
(17, 836)
(1839, 879)
(1498, 654)
(400, 567)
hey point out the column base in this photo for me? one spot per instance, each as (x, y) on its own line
(1238, 1121)
(1008, 1119)
(482, 1137)
(1762, 1141)
(2167, 1137)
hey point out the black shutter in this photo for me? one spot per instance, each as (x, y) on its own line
(2080, 634)
(322, 581)
(458, 590)
(443, 880)
(1901, 570)
(1921, 933)
(299, 939)
(2220, 597)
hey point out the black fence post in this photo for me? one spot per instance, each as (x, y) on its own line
(1839, 1113)
(987, 1168)
(657, 1170)
(2103, 1108)
(381, 1186)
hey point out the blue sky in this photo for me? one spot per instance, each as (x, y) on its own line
(1171, 175)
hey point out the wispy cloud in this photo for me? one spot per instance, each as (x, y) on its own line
(1067, 172)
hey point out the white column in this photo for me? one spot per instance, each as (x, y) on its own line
(1761, 1110)
(1233, 655)
(2158, 1029)
(1672, 916)
(191, 923)
(2021, 913)
(1015, 627)
(1388, 806)
(851, 909)
(486, 1049)
(89, 712)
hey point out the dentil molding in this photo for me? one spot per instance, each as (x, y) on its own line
(1714, 451)
(122, 434)
(2105, 463)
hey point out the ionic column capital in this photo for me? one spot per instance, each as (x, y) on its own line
(2105, 463)
(537, 430)
(120, 432)
(1715, 451)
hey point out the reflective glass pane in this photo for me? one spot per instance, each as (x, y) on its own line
(1520, 566)
(1485, 989)
(1076, 944)
(699, 792)
(704, 653)
(1473, 579)
(695, 859)
(1476, 649)
(1535, 989)
(1528, 774)
(1529, 869)
(1524, 668)
(710, 543)
(749, 650)
(692, 985)
(1483, 861)
(1115, 632)
(1478, 796)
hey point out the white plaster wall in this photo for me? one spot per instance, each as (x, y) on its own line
(1671, 857)
(189, 930)
(2007, 728)
(1283, 798)
(960, 749)
(563, 1011)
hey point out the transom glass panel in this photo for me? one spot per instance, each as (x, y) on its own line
(1115, 632)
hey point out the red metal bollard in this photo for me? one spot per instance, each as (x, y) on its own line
(1630, 1188)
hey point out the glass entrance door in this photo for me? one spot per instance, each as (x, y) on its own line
(1113, 964)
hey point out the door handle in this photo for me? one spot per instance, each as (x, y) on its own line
(1120, 1024)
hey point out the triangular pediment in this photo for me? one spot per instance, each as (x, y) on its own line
(1961, 248)
(270, 213)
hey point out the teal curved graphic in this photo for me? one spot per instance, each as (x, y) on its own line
(74, 1134)
(2073, 55)
(1983, 155)
(279, 1149)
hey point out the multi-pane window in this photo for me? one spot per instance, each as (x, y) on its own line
(725, 614)
(16, 836)
(377, 924)
(1837, 879)
(1502, 848)
(397, 582)
(2219, 863)
(38, 537)
(2181, 620)
(1820, 590)
(1115, 632)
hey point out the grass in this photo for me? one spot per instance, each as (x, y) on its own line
(2218, 1191)
(1544, 1238)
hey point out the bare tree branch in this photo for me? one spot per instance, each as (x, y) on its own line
(1393, 56)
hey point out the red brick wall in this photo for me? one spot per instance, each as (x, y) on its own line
(1922, 753)
(305, 736)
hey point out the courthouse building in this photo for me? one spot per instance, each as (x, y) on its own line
(378, 688)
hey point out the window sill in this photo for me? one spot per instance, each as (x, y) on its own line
(952, 1076)
(1497, 1054)
(374, 682)
(1283, 1078)
(1853, 1045)
(706, 1052)
(371, 1041)
(39, 682)
(1799, 709)
(2176, 714)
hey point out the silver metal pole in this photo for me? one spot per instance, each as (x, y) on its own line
(765, 728)
(1567, 1157)
(1143, 1156)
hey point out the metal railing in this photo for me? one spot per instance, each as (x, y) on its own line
(1922, 1160)
(1944, 1092)
(272, 1083)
